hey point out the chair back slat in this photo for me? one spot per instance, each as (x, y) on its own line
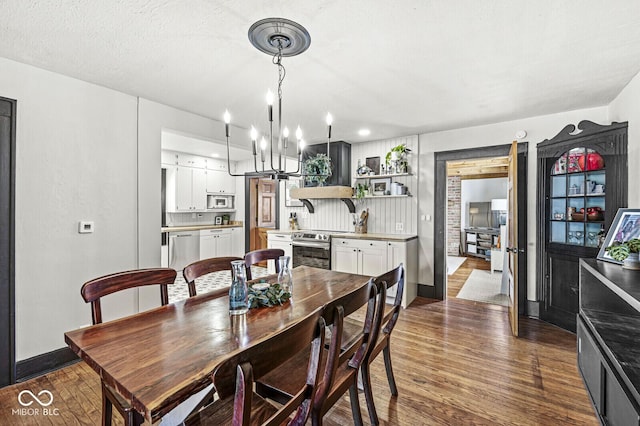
(394, 277)
(97, 288)
(256, 256)
(204, 267)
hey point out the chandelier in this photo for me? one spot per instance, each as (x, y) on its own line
(279, 38)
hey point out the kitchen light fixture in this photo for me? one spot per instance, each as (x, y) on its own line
(277, 37)
(364, 132)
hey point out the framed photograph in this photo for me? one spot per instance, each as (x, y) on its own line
(381, 186)
(625, 226)
(288, 186)
(374, 164)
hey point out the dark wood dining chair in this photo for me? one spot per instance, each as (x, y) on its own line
(204, 267)
(343, 359)
(352, 327)
(235, 377)
(260, 255)
(92, 291)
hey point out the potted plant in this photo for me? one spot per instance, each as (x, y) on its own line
(360, 191)
(626, 252)
(397, 158)
(317, 169)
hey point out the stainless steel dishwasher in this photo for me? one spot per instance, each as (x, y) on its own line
(184, 248)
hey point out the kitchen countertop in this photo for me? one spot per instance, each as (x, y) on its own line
(199, 227)
(368, 236)
(352, 235)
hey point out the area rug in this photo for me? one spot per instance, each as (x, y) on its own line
(453, 263)
(179, 290)
(483, 286)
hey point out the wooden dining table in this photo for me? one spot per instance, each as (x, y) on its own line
(158, 358)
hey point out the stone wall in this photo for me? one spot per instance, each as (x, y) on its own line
(454, 209)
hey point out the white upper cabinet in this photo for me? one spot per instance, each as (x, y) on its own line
(186, 189)
(220, 182)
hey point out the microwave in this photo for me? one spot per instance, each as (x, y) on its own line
(219, 202)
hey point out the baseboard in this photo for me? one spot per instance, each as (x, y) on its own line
(533, 309)
(427, 291)
(44, 363)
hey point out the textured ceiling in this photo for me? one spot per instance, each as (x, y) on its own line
(395, 67)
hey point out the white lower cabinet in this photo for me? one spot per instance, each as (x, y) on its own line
(364, 257)
(375, 257)
(237, 242)
(279, 241)
(215, 243)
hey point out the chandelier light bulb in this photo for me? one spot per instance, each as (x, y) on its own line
(254, 134)
(263, 144)
(269, 97)
(227, 117)
(285, 132)
(302, 144)
(299, 133)
(329, 119)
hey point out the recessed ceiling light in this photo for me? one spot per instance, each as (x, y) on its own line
(364, 132)
(215, 155)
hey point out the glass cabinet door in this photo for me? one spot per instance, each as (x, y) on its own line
(577, 198)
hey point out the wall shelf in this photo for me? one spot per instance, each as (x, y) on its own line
(343, 193)
(382, 176)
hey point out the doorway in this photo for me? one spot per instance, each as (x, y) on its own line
(261, 212)
(7, 240)
(476, 229)
(440, 243)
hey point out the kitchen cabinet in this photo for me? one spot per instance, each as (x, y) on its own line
(365, 257)
(186, 189)
(237, 242)
(220, 182)
(608, 331)
(189, 160)
(215, 243)
(582, 181)
(405, 252)
(377, 256)
(279, 241)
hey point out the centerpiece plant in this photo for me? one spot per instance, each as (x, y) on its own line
(626, 251)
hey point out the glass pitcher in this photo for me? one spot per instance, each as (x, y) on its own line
(239, 291)
(285, 278)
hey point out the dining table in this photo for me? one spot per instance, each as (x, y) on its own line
(158, 358)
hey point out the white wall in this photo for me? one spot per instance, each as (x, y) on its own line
(538, 129)
(626, 107)
(75, 160)
(384, 213)
(479, 190)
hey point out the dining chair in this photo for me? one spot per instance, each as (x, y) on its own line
(343, 359)
(352, 327)
(260, 255)
(204, 267)
(235, 377)
(92, 291)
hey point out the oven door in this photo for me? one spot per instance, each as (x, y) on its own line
(317, 255)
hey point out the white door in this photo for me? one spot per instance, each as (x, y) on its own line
(224, 245)
(199, 189)
(344, 258)
(237, 242)
(373, 258)
(184, 186)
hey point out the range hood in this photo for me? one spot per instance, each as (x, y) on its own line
(343, 193)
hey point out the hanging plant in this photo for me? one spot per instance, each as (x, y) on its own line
(317, 169)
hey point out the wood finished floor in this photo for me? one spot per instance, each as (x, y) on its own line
(455, 364)
(456, 280)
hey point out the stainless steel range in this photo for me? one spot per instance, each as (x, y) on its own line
(312, 248)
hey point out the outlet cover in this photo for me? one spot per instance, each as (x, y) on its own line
(399, 226)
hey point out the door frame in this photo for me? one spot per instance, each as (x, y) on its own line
(7, 242)
(440, 216)
(247, 207)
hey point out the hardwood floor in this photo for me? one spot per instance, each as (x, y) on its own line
(455, 363)
(456, 280)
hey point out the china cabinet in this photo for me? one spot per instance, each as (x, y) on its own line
(582, 181)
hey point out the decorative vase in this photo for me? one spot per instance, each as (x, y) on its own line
(238, 292)
(631, 262)
(285, 277)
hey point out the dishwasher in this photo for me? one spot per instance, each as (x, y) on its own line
(184, 248)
